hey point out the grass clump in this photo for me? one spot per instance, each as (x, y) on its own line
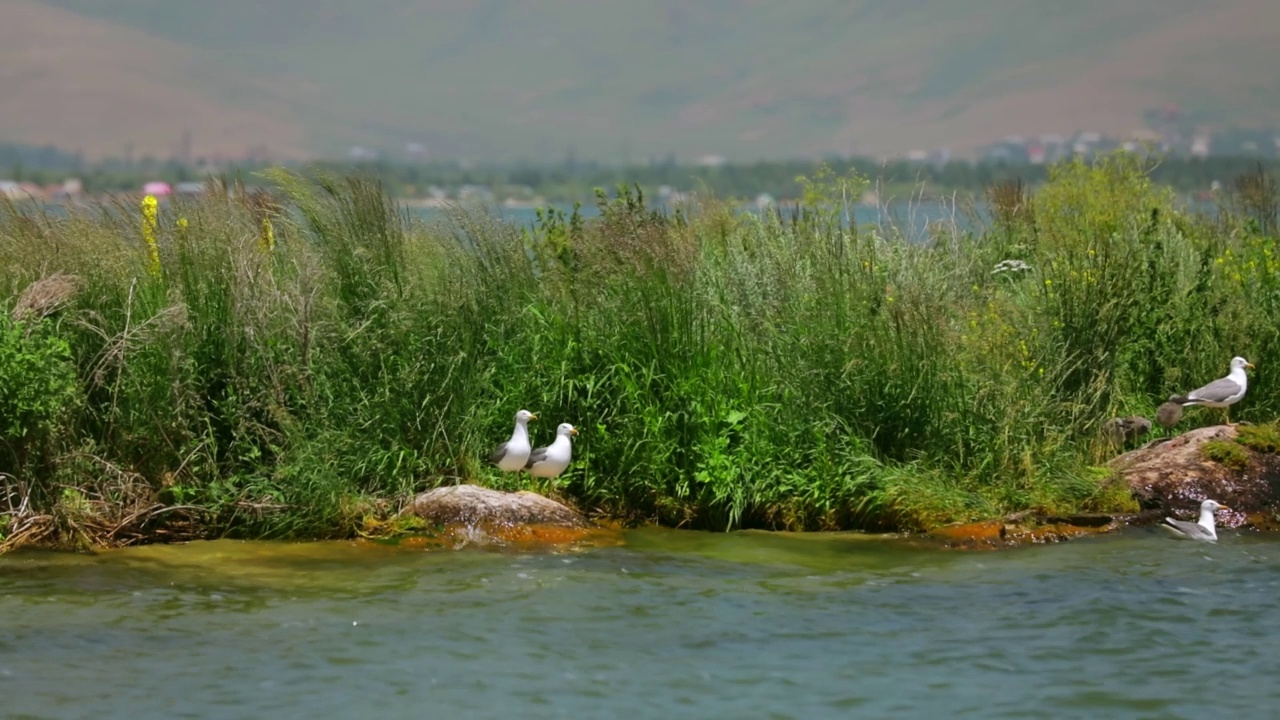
(299, 363)
(1226, 452)
(1264, 438)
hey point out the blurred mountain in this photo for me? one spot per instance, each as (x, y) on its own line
(507, 79)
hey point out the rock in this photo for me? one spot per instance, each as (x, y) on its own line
(1173, 476)
(1125, 429)
(477, 507)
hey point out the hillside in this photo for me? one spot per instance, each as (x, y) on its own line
(741, 78)
(101, 87)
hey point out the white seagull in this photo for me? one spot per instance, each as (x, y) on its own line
(550, 461)
(1204, 529)
(1221, 393)
(511, 455)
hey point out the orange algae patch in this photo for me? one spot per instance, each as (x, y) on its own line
(422, 542)
(990, 531)
(516, 537)
(555, 535)
(1265, 521)
(993, 534)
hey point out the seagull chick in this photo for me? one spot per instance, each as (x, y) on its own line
(511, 455)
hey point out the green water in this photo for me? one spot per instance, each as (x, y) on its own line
(670, 625)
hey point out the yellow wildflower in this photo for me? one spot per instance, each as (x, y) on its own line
(150, 228)
(268, 235)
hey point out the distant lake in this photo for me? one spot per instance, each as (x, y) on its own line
(916, 219)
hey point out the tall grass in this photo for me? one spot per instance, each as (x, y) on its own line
(303, 361)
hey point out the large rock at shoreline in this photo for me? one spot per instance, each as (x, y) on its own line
(475, 506)
(1173, 476)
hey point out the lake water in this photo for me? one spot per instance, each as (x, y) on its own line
(668, 625)
(915, 220)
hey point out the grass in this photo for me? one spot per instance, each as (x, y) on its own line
(298, 365)
(1262, 438)
(1226, 452)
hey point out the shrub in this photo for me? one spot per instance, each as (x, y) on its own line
(38, 390)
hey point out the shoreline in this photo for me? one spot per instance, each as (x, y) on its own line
(991, 534)
(486, 516)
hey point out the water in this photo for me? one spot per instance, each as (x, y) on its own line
(669, 625)
(917, 221)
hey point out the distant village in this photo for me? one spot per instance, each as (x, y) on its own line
(1166, 133)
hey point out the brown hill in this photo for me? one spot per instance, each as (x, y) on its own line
(103, 89)
(740, 78)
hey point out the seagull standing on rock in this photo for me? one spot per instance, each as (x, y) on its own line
(1204, 530)
(550, 461)
(511, 455)
(1221, 393)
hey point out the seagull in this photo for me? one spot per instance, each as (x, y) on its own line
(550, 461)
(1221, 393)
(511, 455)
(1202, 530)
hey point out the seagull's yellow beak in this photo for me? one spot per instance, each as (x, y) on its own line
(573, 431)
(1223, 507)
(1249, 365)
(533, 416)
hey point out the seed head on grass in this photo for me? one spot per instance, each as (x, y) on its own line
(45, 297)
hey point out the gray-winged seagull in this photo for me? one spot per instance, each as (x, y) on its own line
(550, 461)
(511, 455)
(1221, 393)
(1204, 529)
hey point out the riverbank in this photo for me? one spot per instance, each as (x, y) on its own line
(301, 364)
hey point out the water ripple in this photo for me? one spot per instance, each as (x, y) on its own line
(673, 625)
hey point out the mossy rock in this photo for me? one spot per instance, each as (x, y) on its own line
(1234, 464)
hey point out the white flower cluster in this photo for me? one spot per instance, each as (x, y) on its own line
(1010, 266)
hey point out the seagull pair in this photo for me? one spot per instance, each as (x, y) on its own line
(518, 454)
(1204, 529)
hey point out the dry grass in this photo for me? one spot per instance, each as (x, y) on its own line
(45, 297)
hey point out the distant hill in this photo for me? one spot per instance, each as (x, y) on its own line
(612, 80)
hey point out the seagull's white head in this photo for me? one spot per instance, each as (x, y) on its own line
(1239, 363)
(1212, 506)
(525, 416)
(566, 430)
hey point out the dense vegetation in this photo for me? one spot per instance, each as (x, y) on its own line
(299, 364)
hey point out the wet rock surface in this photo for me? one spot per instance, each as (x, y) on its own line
(493, 510)
(1024, 529)
(464, 516)
(1173, 476)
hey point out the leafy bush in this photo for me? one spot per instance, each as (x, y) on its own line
(38, 389)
